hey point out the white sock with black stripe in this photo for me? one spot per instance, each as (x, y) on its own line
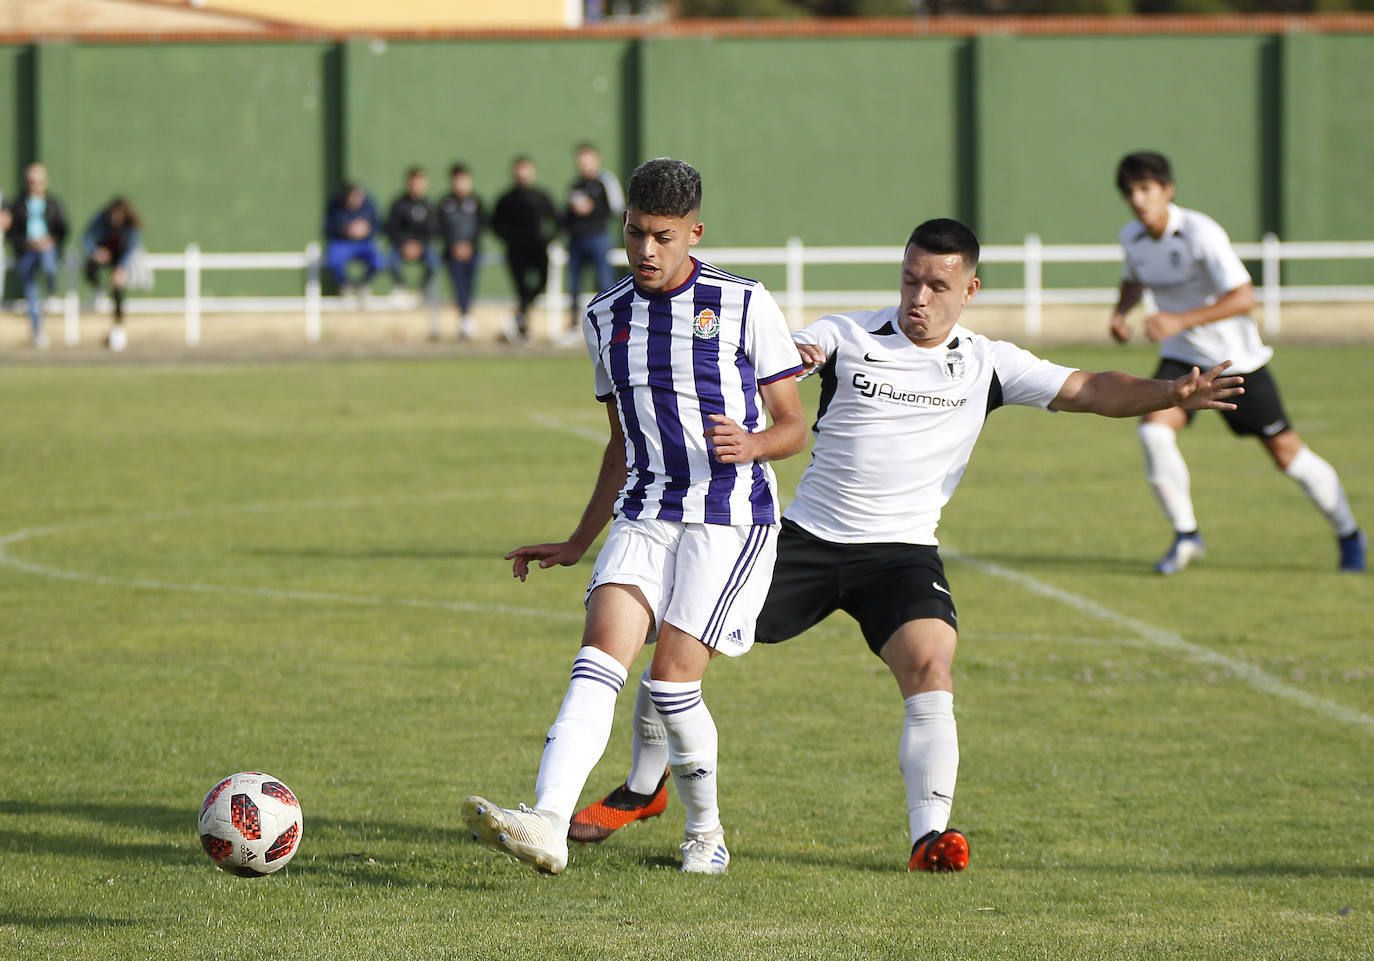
(649, 743)
(692, 750)
(578, 736)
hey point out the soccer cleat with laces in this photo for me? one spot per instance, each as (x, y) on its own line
(524, 834)
(1353, 548)
(1185, 549)
(705, 853)
(599, 820)
(939, 851)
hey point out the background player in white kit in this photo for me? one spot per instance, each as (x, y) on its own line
(905, 392)
(1204, 295)
(683, 354)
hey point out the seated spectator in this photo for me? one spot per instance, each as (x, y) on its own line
(410, 228)
(461, 219)
(110, 242)
(37, 232)
(350, 230)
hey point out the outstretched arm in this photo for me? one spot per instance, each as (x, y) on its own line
(1112, 393)
(594, 518)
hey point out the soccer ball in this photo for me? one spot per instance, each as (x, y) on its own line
(250, 824)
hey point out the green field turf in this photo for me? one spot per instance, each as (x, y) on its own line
(297, 568)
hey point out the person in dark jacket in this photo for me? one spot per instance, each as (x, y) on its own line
(109, 241)
(525, 219)
(594, 199)
(410, 229)
(350, 231)
(37, 232)
(461, 218)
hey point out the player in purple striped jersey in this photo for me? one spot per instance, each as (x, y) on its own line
(905, 392)
(688, 359)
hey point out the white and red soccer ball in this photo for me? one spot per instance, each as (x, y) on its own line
(250, 824)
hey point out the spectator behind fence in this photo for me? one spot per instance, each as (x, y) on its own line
(110, 241)
(525, 219)
(593, 200)
(460, 221)
(37, 232)
(350, 230)
(410, 230)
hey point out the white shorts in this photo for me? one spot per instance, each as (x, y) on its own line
(708, 580)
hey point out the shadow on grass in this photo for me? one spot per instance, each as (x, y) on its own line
(168, 837)
(373, 554)
(15, 919)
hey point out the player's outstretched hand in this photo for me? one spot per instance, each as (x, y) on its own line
(729, 442)
(1199, 391)
(548, 555)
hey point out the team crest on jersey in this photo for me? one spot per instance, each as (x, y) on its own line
(706, 325)
(954, 365)
(1176, 259)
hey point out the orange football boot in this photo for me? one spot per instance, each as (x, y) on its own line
(939, 851)
(598, 821)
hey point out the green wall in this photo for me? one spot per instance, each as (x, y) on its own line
(840, 140)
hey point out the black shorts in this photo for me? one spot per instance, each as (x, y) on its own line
(1259, 411)
(882, 586)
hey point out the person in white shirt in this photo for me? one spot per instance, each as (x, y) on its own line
(686, 358)
(1204, 297)
(905, 392)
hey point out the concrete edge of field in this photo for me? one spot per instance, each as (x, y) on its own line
(381, 333)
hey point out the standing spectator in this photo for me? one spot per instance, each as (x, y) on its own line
(110, 241)
(350, 231)
(593, 200)
(410, 229)
(525, 219)
(37, 231)
(461, 219)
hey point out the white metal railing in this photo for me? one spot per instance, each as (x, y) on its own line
(795, 298)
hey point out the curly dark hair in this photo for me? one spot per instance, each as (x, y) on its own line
(665, 187)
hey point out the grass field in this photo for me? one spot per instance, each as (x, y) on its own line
(297, 568)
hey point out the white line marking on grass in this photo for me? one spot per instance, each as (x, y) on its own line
(563, 427)
(42, 570)
(1169, 640)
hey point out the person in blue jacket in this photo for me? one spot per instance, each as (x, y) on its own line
(350, 231)
(110, 240)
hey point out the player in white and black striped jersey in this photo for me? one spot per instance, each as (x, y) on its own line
(688, 360)
(905, 394)
(1204, 296)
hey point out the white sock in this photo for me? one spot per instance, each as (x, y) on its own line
(578, 736)
(929, 758)
(648, 743)
(692, 749)
(1320, 482)
(1167, 472)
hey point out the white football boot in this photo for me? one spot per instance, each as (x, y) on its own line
(524, 834)
(705, 853)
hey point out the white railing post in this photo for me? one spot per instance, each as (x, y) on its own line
(555, 294)
(192, 294)
(1034, 287)
(313, 293)
(796, 283)
(71, 303)
(1271, 276)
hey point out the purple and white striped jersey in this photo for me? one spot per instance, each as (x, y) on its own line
(672, 359)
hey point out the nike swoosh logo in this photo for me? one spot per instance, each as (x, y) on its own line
(876, 360)
(942, 590)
